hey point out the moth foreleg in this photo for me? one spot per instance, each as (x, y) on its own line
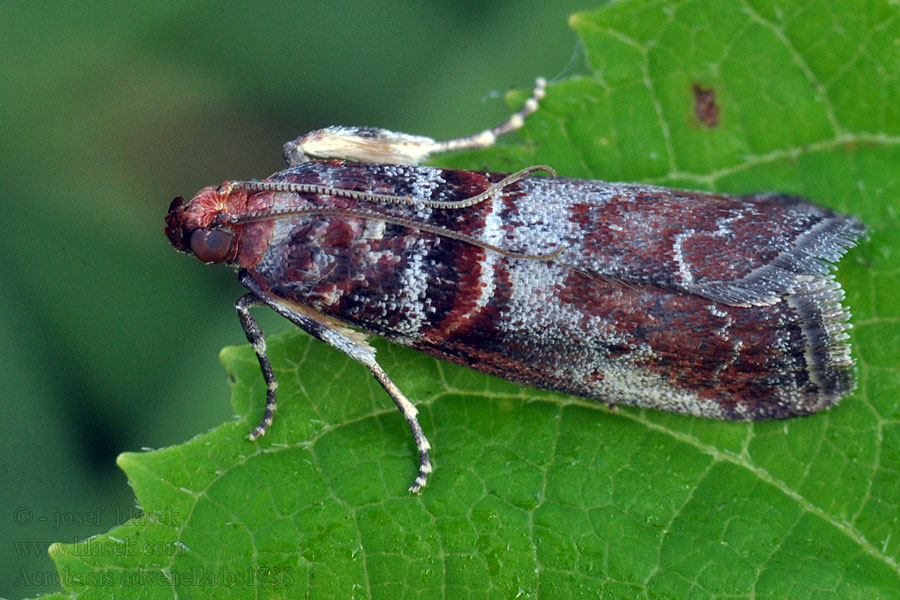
(258, 342)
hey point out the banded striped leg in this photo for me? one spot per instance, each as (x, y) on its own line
(488, 137)
(258, 341)
(372, 145)
(334, 338)
(409, 412)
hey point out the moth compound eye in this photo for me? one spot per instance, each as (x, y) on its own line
(211, 245)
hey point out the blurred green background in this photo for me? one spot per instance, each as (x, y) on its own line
(109, 338)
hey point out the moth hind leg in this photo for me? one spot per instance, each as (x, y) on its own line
(373, 145)
(488, 137)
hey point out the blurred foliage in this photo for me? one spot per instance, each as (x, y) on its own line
(110, 338)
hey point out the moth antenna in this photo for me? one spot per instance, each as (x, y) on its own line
(493, 189)
(311, 188)
(403, 222)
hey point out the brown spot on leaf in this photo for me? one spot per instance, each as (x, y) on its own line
(705, 106)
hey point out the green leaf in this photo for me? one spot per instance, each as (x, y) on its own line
(542, 495)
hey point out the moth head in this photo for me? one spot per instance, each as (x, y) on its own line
(199, 229)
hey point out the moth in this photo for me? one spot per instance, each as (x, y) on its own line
(706, 304)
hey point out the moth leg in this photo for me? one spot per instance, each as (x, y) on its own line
(337, 336)
(409, 412)
(488, 137)
(258, 342)
(372, 145)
